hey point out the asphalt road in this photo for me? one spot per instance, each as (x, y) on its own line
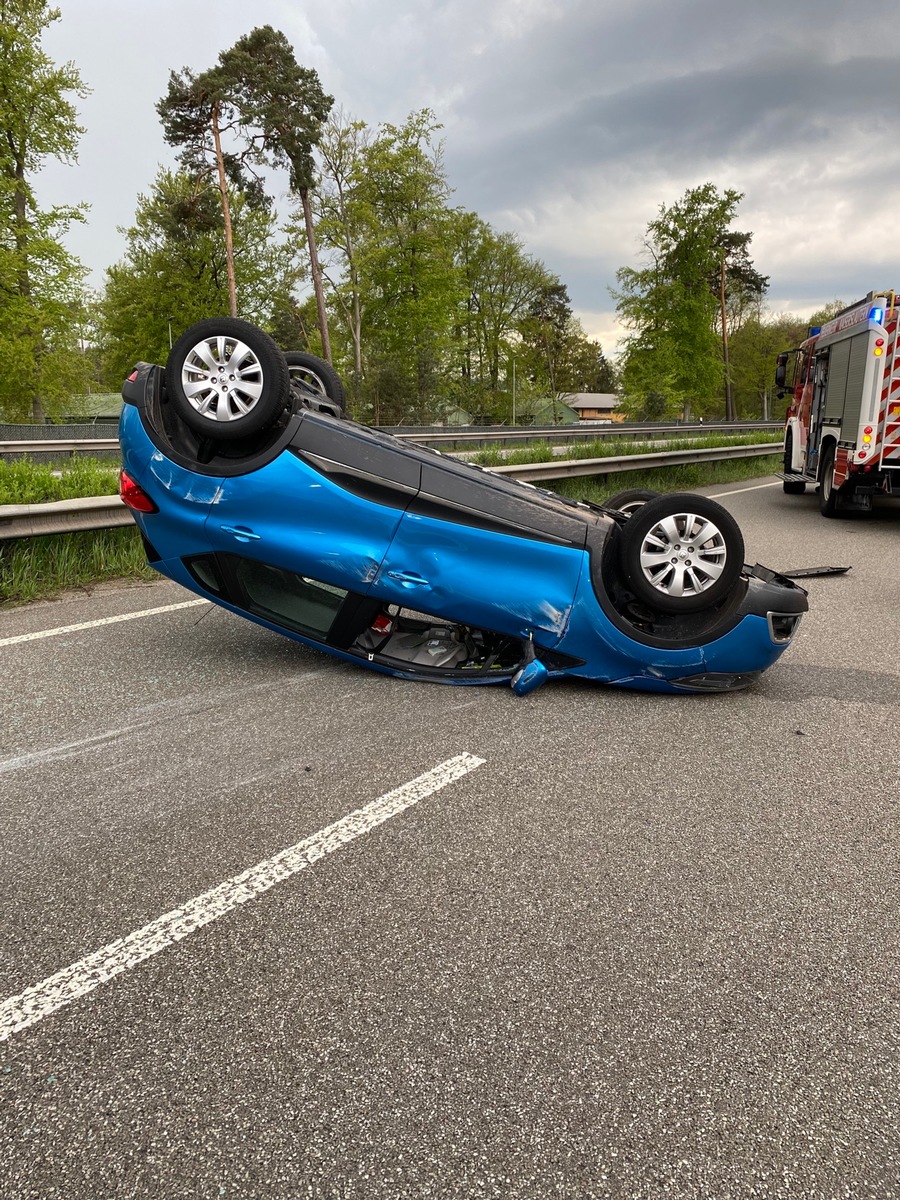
(630, 946)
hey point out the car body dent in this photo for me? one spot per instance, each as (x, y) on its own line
(314, 527)
(537, 580)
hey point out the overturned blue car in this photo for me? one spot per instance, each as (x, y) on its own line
(252, 488)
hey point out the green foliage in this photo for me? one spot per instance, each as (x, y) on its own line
(174, 271)
(405, 259)
(754, 348)
(282, 105)
(282, 111)
(40, 282)
(673, 305)
(557, 357)
(499, 287)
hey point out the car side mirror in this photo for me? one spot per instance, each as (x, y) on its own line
(531, 674)
(780, 370)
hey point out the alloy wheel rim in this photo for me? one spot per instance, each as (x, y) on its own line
(222, 378)
(308, 377)
(683, 555)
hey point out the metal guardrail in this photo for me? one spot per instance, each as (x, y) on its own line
(492, 434)
(487, 435)
(108, 512)
(62, 516)
(66, 446)
(573, 467)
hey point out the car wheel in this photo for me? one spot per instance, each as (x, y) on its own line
(681, 553)
(828, 493)
(318, 375)
(792, 487)
(626, 502)
(227, 379)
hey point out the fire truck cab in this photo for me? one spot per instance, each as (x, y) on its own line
(842, 427)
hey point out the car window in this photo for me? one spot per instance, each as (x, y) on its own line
(302, 604)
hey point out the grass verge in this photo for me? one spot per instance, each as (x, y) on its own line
(686, 478)
(33, 568)
(539, 452)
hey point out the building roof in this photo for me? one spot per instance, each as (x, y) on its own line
(599, 400)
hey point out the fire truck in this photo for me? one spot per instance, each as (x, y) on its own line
(842, 427)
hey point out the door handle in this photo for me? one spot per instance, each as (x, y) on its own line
(407, 578)
(241, 532)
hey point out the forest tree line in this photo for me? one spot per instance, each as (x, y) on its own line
(424, 309)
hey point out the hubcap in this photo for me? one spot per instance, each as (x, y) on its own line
(683, 555)
(222, 379)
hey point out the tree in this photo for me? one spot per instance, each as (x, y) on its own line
(755, 347)
(502, 284)
(678, 305)
(174, 270)
(409, 281)
(283, 107)
(342, 214)
(557, 354)
(195, 112)
(40, 282)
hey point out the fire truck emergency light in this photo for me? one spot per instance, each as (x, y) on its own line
(877, 315)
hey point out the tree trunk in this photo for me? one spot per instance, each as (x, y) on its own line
(226, 213)
(23, 280)
(316, 274)
(729, 400)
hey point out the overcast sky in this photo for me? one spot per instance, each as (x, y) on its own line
(568, 122)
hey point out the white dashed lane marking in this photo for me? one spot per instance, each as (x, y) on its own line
(132, 616)
(55, 992)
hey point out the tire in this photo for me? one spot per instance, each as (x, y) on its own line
(792, 487)
(628, 501)
(315, 373)
(227, 379)
(681, 553)
(828, 493)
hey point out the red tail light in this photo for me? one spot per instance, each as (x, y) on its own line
(134, 496)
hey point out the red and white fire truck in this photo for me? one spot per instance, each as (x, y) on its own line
(842, 429)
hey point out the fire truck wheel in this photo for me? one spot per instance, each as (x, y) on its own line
(828, 493)
(681, 553)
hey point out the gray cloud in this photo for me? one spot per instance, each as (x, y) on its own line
(568, 122)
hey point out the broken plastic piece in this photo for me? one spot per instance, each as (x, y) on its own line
(806, 572)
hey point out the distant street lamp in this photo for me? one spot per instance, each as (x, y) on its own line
(170, 320)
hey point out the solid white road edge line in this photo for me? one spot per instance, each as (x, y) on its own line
(39, 1001)
(753, 488)
(133, 616)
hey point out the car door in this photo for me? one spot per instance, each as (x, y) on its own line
(327, 507)
(474, 548)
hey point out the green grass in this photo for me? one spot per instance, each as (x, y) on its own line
(538, 452)
(685, 478)
(26, 482)
(32, 568)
